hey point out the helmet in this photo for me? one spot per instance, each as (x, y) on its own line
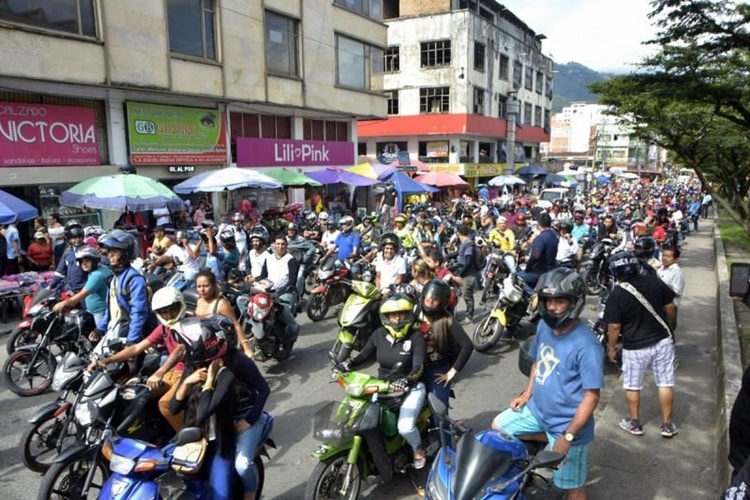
(259, 232)
(560, 283)
(390, 239)
(205, 339)
(644, 247)
(178, 236)
(401, 218)
(227, 238)
(394, 304)
(566, 226)
(556, 224)
(74, 229)
(121, 240)
(346, 223)
(440, 293)
(293, 226)
(310, 218)
(323, 216)
(520, 218)
(237, 217)
(165, 298)
(88, 252)
(624, 265)
(408, 207)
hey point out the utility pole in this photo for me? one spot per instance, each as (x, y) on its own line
(510, 134)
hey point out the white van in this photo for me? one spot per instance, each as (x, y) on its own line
(548, 196)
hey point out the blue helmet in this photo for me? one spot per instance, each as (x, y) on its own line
(121, 240)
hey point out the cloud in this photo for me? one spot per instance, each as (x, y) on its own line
(603, 35)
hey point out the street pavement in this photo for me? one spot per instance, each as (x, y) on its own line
(621, 466)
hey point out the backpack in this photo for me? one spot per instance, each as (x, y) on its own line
(480, 260)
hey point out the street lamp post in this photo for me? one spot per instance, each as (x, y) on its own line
(510, 134)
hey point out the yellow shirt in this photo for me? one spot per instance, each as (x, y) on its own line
(504, 239)
(161, 245)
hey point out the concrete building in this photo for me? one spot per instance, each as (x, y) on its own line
(457, 72)
(177, 87)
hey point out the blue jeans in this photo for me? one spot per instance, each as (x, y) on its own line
(408, 413)
(247, 443)
(529, 279)
(442, 391)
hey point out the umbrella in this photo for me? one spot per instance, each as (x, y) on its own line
(421, 166)
(603, 179)
(531, 170)
(334, 175)
(442, 179)
(555, 179)
(627, 175)
(228, 179)
(12, 209)
(575, 174)
(406, 185)
(506, 180)
(373, 171)
(120, 192)
(291, 177)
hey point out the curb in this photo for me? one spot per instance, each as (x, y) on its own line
(729, 364)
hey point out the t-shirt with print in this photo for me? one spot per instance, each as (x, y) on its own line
(566, 366)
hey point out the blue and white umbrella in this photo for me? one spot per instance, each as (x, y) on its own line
(229, 179)
(506, 180)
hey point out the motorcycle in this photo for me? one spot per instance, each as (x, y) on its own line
(333, 288)
(358, 318)
(262, 317)
(512, 305)
(489, 464)
(29, 370)
(596, 276)
(24, 334)
(136, 466)
(497, 271)
(360, 438)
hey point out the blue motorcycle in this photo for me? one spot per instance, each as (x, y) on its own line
(137, 466)
(489, 464)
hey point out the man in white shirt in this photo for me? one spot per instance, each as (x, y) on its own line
(329, 236)
(390, 268)
(567, 247)
(256, 257)
(671, 274)
(183, 255)
(162, 217)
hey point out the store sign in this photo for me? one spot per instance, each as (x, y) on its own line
(388, 151)
(181, 169)
(253, 152)
(437, 149)
(164, 135)
(33, 135)
(484, 169)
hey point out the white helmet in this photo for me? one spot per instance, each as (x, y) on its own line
(346, 223)
(164, 298)
(323, 216)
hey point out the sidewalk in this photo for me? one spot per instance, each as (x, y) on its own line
(623, 466)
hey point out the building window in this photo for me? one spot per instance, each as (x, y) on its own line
(325, 130)
(192, 28)
(254, 125)
(548, 87)
(435, 54)
(392, 63)
(538, 116)
(517, 74)
(70, 16)
(356, 63)
(502, 106)
(504, 67)
(528, 82)
(368, 8)
(392, 101)
(478, 108)
(539, 82)
(546, 120)
(435, 100)
(281, 44)
(479, 56)
(527, 113)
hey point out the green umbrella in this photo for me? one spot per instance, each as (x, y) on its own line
(291, 178)
(121, 192)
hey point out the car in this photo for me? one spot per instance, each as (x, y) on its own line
(548, 196)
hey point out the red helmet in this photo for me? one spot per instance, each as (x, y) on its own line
(205, 339)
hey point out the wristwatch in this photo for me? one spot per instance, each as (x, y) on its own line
(569, 437)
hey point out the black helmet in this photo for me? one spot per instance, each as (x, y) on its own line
(390, 239)
(227, 238)
(556, 225)
(259, 232)
(624, 265)
(121, 240)
(88, 252)
(74, 229)
(566, 226)
(205, 339)
(644, 247)
(560, 283)
(292, 226)
(440, 292)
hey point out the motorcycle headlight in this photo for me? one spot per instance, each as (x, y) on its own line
(324, 274)
(436, 490)
(84, 414)
(121, 465)
(354, 389)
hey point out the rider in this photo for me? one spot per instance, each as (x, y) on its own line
(183, 255)
(400, 352)
(228, 255)
(302, 250)
(565, 380)
(404, 233)
(347, 243)
(543, 252)
(312, 230)
(67, 270)
(94, 292)
(390, 267)
(645, 249)
(503, 238)
(256, 257)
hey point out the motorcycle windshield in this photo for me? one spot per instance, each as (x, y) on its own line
(41, 296)
(477, 467)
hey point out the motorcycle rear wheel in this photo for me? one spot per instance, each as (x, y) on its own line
(42, 371)
(65, 480)
(488, 332)
(326, 479)
(20, 337)
(39, 442)
(591, 283)
(317, 306)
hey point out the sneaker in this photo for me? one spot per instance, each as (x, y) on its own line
(420, 460)
(668, 430)
(632, 426)
(467, 320)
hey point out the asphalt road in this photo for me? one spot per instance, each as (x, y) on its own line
(299, 388)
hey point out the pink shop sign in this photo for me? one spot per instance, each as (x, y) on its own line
(40, 134)
(291, 153)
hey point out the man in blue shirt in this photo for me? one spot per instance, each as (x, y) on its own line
(467, 268)
(67, 269)
(543, 253)
(347, 243)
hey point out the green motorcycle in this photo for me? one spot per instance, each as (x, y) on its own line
(359, 438)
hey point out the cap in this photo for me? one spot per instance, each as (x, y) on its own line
(39, 235)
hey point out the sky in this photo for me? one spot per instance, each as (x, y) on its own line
(604, 35)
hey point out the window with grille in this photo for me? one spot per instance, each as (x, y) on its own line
(192, 28)
(504, 65)
(546, 120)
(435, 54)
(529, 78)
(538, 116)
(434, 100)
(69, 16)
(539, 82)
(325, 130)
(528, 109)
(479, 50)
(478, 108)
(392, 63)
(517, 74)
(392, 101)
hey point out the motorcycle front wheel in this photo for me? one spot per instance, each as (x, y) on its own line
(39, 442)
(591, 282)
(20, 337)
(65, 480)
(487, 333)
(317, 306)
(310, 282)
(26, 380)
(328, 477)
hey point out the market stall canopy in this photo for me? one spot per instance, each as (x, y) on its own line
(228, 179)
(575, 174)
(406, 185)
(335, 175)
(121, 192)
(603, 179)
(506, 180)
(531, 170)
(559, 180)
(627, 175)
(373, 171)
(12, 209)
(442, 179)
(291, 177)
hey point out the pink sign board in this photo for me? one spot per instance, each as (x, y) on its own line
(291, 153)
(33, 135)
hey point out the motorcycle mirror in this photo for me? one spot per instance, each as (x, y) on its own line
(547, 458)
(115, 345)
(438, 407)
(188, 435)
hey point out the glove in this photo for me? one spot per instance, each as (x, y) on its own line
(400, 385)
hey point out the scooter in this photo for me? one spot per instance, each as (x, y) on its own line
(511, 307)
(358, 318)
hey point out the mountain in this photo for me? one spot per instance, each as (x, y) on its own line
(571, 82)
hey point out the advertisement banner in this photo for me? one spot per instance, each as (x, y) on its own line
(166, 135)
(253, 152)
(437, 149)
(33, 135)
(387, 152)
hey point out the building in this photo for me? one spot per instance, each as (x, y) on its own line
(457, 72)
(177, 87)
